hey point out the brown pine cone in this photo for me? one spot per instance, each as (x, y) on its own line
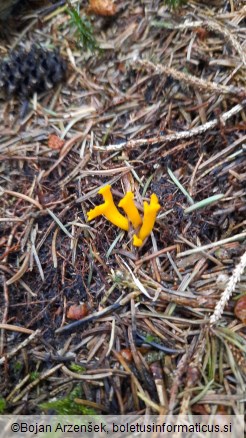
(28, 71)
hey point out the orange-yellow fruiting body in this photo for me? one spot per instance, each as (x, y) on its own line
(130, 209)
(150, 213)
(109, 210)
(137, 241)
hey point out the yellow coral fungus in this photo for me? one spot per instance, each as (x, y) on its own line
(109, 210)
(130, 209)
(150, 212)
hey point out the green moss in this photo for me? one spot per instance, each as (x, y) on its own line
(77, 368)
(34, 375)
(173, 4)
(2, 405)
(67, 406)
(18, 366)
(151, 338)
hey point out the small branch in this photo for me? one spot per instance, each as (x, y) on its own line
(192, 80)
(212, 245)
(20, 346)
(131, 144)
(235, 278)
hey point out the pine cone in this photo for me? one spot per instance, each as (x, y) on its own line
(27, 72)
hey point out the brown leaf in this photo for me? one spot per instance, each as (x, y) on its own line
(126, 354)
(77, 311)
(200, 409)
(106, 8)
(55, 142)
(202, 33)
(240, 309)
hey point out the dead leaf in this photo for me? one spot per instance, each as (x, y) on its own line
(126, 354)
(201, 33)
(77, 311)
(106, 8)
(55, 142)
(240, 309)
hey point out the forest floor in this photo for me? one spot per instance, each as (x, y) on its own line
(160, 108)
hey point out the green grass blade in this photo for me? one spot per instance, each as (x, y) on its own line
(204, 203)
(179, 185)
